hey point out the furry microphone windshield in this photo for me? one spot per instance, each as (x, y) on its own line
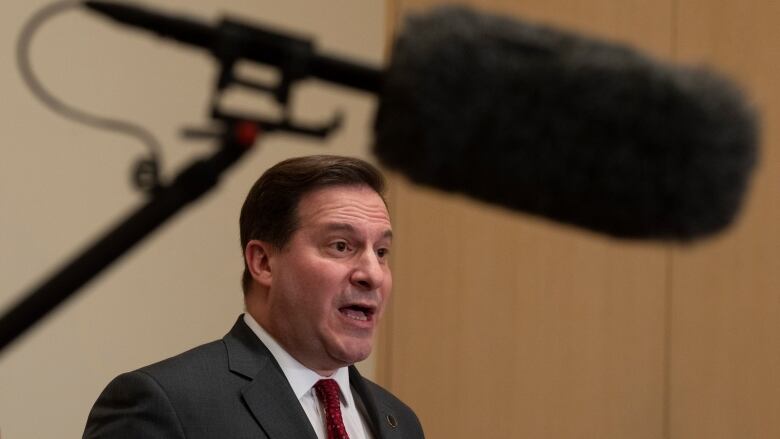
(578, 130)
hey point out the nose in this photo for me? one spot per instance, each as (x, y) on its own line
(369, 273)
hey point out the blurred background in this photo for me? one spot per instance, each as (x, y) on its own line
(501, 324)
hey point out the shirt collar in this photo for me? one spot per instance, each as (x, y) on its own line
(301, 378)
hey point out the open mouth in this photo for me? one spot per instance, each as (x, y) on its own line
(358, 312)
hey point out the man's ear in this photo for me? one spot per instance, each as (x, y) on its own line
(257, 255)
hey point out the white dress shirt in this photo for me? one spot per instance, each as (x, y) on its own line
(302, 381)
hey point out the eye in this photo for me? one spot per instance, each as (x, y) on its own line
(383, 252)
(340, 246)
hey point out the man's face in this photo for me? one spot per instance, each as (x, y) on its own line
(329, 284)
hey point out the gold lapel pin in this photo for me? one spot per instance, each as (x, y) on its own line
(391, 421)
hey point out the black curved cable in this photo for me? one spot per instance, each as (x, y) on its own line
(58, 106)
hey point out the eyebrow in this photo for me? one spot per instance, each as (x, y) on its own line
(388, 234)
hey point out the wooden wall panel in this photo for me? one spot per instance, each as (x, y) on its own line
(504, 325)
(725, 344)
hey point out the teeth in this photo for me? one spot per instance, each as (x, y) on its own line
(355, 314)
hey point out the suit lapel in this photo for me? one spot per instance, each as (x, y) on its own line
(276, 408)
(378, 413)
(268, 396)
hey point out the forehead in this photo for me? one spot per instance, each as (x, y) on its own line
(354, 205)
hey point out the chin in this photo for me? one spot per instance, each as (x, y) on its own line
(355, 353)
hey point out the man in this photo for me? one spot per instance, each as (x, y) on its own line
(316, 233)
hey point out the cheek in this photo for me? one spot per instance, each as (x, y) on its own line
(386, 291)
(317, 284)
(389, 283)
(326, 273)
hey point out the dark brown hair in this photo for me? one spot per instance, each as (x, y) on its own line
(269, 212)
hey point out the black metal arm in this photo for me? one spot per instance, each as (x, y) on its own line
(194, 181)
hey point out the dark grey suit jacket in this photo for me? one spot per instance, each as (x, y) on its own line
(230, 388)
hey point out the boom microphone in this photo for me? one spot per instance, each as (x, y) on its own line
(582, 131)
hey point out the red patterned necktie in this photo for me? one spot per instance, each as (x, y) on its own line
(328, 394)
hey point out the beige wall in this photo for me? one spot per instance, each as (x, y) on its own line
(505, 325)
(61, 183)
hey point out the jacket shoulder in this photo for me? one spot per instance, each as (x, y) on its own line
(203, 359)
(176, 397)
